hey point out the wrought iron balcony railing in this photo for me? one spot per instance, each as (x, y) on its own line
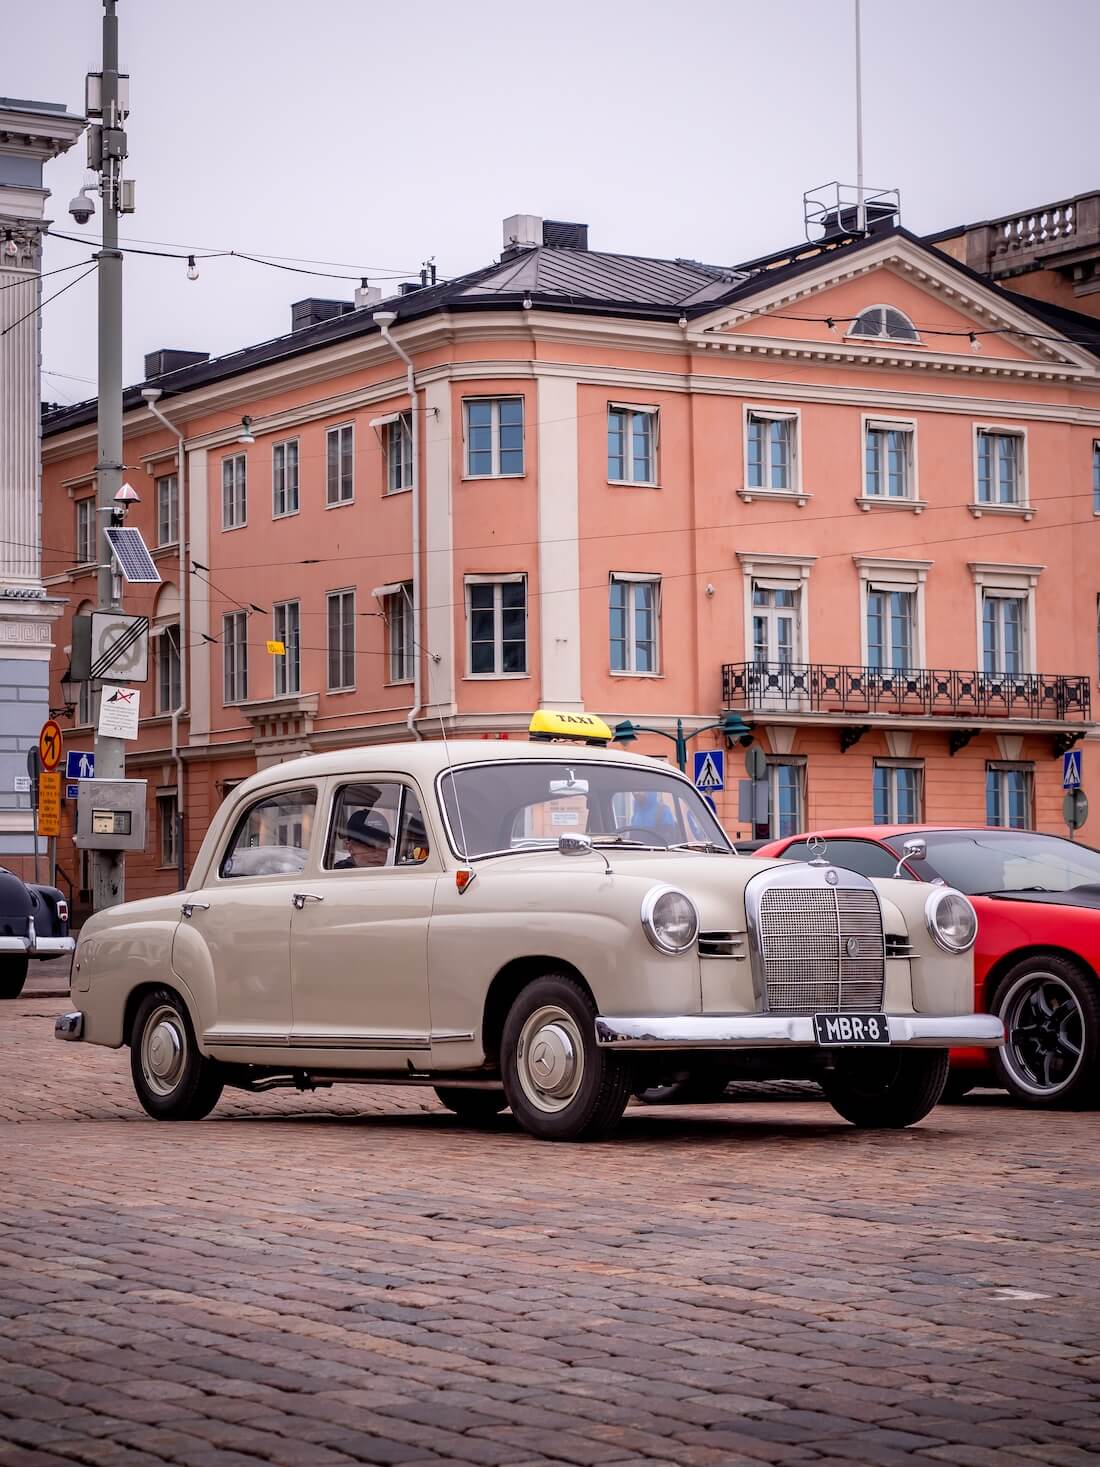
(817, 687)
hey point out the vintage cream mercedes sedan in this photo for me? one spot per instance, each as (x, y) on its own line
(542, 925)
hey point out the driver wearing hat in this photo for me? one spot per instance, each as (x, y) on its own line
(368, 841)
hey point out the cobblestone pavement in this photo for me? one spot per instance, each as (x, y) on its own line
(356, 1277)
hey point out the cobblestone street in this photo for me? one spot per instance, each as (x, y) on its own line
(355, 1276)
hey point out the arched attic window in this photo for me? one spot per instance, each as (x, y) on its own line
(884, 323)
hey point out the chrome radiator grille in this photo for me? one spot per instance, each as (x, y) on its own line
(821, 949)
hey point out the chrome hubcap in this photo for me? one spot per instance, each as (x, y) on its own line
(163, 1050)
(550, 1058)
(1044, 1033)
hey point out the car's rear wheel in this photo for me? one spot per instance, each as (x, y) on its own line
(886, 1089)
(560, 1084)
(173, 1080)
(1051, 1013)
(475, 1106)
(13, 974)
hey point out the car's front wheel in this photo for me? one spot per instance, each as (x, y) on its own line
(1051, 1013)
(560, 1084)
(13, 974)
(173, 1080)
(475, 1106)
(886, 1089)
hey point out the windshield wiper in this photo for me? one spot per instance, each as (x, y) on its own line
(701, 845)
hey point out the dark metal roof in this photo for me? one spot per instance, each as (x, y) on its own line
(631, 286)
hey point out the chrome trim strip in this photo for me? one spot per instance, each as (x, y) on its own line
(69, 1026)
(782, 1031)
(452, 1036)
(239, 1037)
(35, 946)
(359, 1041)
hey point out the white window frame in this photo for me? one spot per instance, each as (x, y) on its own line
(779, 572)
(238, 490)
(284, 685)
(1096, 476)
(654, 415)
(494, 400)
(775, 763)
(998, 579)
(330, 596)
(911, 500)
(233, 620)
(397, 610)
(168, 485)
(1022, 504)
(882, 573)
(85, 530)
(168, 828)
(399, 428)
(340, 498)
(634, 578)
(285, 444)
(893, 765)
(501, 579)
(854, 334)
(765, 413)
(168, 641)
(1002, 767)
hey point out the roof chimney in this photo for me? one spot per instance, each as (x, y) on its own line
(169, 360)
(521, 232)
(562, 236)
(367, 295)
(312, 311)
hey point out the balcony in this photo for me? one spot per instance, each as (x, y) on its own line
(811, 690)
(1063, 236)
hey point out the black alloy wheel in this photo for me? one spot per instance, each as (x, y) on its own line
(1051, 1012)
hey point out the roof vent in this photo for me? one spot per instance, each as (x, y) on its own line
(409, 287)
(562, 236)
(367, 295)
(312, 311)
(169, 360)
(521, 232)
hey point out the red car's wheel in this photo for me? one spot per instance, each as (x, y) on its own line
(1051, 1013)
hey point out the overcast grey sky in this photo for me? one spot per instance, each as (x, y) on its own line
(377, 134)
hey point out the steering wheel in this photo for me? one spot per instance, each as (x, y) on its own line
(652, 836)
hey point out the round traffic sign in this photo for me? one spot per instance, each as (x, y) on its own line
(49, 744)
(756, 762)
(1075, 809)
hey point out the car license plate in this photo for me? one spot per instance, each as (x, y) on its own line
(832, 1029)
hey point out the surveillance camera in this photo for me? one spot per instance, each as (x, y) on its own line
(81, 208)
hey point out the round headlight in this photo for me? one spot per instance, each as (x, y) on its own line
(951, 920)
(670, 920)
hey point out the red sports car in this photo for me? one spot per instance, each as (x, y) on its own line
(1037, 957)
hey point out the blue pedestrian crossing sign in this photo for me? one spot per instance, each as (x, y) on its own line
(1071, 770)
(710, 770)
(79, 764)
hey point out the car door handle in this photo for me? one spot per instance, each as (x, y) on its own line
(301, 897)
(188, 909)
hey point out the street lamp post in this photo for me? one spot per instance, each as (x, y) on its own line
(732, 725)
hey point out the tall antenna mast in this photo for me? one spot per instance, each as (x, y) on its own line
(861, 207)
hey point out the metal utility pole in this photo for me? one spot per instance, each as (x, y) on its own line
(108, 888)
(861, 207)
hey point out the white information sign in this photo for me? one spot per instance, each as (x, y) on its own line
(118, 713)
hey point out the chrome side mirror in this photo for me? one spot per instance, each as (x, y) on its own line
(914, 849)
(575, 845)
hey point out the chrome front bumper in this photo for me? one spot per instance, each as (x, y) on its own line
(69, 1026)
(37, 947)
(788, 1031)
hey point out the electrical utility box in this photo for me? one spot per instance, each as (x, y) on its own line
(110, 815)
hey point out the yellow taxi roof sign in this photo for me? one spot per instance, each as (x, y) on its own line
(584, 727)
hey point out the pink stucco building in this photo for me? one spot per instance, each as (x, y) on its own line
(849, 491)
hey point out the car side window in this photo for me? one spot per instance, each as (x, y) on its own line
(854, 855)
(272, 836)
(376, 824)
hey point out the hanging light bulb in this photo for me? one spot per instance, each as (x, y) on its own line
(831, 324)
(246, 435)
(527, 301)
(975, 344)
(11, 249)
(192, 268)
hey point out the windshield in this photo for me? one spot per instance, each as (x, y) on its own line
(525, 804)
(981, 861)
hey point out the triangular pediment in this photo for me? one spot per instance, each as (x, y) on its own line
(959, 322)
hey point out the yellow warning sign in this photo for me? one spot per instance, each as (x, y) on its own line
(49, 803)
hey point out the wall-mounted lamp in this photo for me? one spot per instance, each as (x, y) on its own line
(245, 435)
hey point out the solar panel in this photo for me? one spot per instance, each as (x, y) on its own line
(132, 554)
